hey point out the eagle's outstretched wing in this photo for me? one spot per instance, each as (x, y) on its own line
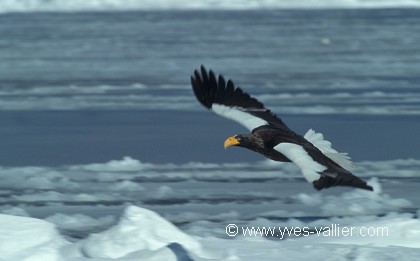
(231, 102)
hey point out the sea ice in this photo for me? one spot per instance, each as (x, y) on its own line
(23, 238)
(355, 202)
(142, 234)
(138, 230)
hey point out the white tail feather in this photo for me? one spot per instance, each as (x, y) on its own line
(317, 139)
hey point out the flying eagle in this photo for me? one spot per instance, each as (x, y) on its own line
(319, 163)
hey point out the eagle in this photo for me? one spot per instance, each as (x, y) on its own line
(319, 163)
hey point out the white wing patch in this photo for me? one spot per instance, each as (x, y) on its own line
(317, 139)
(235, 113)
(310, 168)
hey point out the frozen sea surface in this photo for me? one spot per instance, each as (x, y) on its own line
(116, 5)
(105, 210)
(96, 109)
(346, 62)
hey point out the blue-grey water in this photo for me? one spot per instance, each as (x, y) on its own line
(86, 87)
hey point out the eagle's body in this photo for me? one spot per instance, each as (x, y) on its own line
(320, 164)
(264, 139)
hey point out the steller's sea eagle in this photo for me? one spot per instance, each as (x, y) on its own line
(319, 163)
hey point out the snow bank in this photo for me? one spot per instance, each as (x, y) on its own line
(139, 230)
(141, 234)
(23, 238)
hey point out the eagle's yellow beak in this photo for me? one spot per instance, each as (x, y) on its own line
(231, 141)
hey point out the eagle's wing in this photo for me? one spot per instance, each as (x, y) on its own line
(319, 163)
(231, 102)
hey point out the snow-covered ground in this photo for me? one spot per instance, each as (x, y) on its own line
(130, 210)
